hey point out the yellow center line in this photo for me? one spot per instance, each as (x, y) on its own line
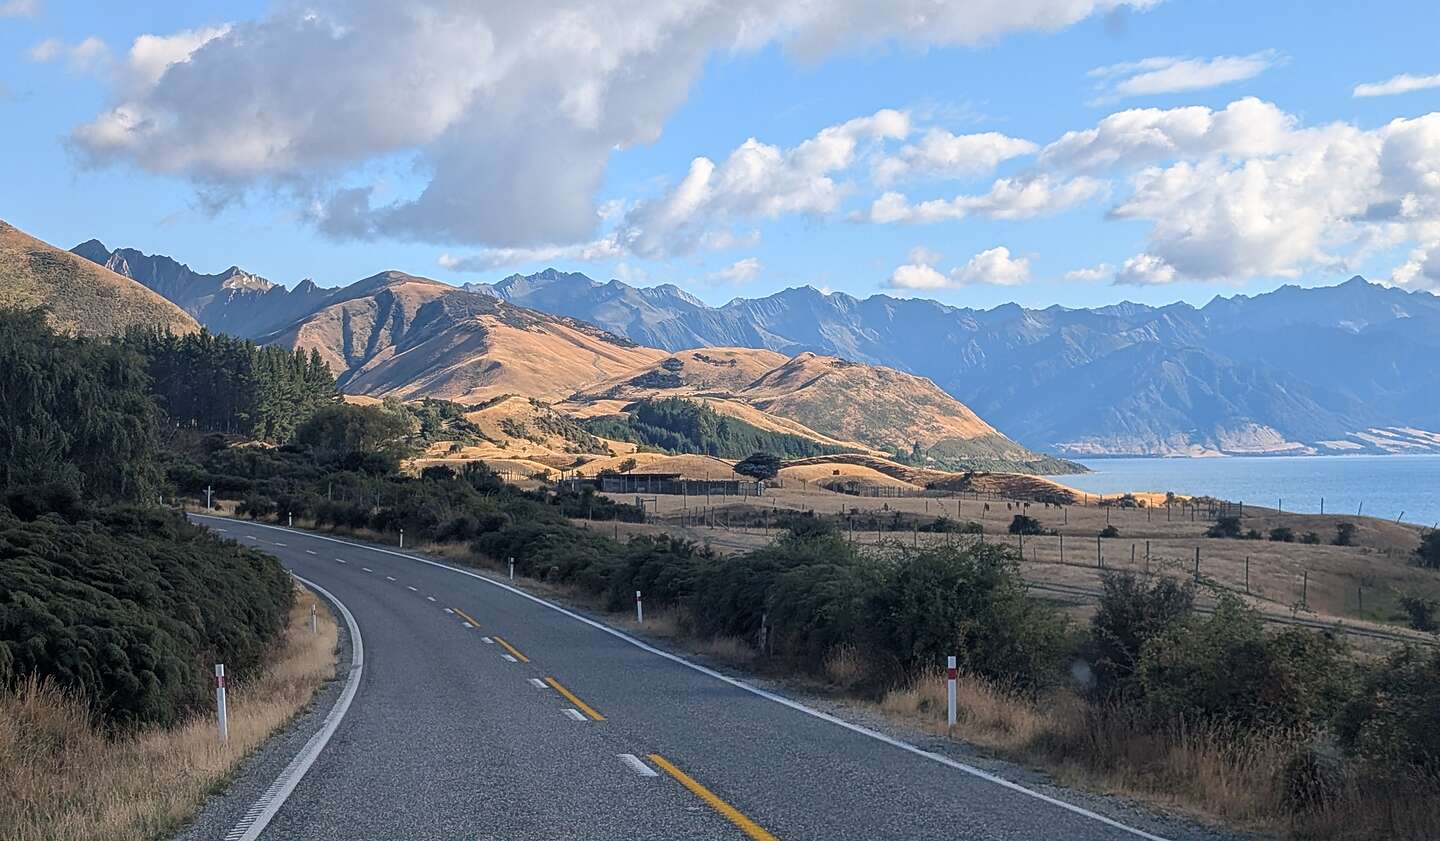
(731, 814)
(570, 696)
(514, 652)
(467, 617)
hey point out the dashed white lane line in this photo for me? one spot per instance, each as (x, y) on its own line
(538, 683)
(367, 569)
(222, 530)
(575, 714)
(429, 598)
(389, 578)
(637, 765)
(341, 561)
(447, 610)
(767, 695)
(508, 657)
(413, 590)
(279, 544)
(487, 640)
(311, 552)
(467, 624)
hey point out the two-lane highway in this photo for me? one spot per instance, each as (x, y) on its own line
(486, 713)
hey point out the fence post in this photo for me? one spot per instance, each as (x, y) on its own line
(220, 715)
(639, 609)
(1305, 589)
(1147, 557)
(950, 691)
(1062, 547)
(1247, 575)
(1099, 555)
(1197, 563)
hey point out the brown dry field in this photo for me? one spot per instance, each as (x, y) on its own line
(1360, 584)
(62, 779)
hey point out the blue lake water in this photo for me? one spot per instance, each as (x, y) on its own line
(1388, 486)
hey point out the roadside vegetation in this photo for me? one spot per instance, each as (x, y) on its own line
(64, 776)
(1210, 713)
(113, 609)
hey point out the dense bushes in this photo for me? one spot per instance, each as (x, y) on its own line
(689, 426)
(131, 607)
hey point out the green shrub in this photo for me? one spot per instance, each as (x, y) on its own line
(1428, 554)
(1282, 534)
(1344, 534)
(1132, 611)
(1225, 669)
(1224, 527)
(1025, 524)
(1393, 720)
(131, 608)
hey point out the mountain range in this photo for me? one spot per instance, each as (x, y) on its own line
(1336, 369)
(407, 337)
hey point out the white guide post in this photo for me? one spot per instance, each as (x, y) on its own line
(221, 717)
(639, 609)
(950, 690)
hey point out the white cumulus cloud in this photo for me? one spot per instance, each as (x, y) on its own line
(941, 154)
(85, 56)
(1022, 197)
(19, 8)
(1145, 270)
(511, 111)
(1169, 74)
(1403, 83)
(741, 271)
(994, 266)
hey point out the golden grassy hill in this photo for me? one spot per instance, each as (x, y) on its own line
(1010, 485)
(711, 370)
(410, 337)
(83, 298)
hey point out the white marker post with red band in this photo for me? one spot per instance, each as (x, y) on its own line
(639, 609)
(950, 690)
(221, 718)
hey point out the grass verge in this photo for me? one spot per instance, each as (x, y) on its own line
(64, 779)
(1245, 780)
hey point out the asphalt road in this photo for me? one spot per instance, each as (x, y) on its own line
(484, 713)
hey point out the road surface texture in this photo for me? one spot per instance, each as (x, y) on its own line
(484, 713)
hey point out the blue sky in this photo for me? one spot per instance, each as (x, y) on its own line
(339, 138)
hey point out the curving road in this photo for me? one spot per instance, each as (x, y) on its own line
(485, 713)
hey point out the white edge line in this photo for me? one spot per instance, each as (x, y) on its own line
(637, 765)
(291, 776)
(311, 552)
(755, 690)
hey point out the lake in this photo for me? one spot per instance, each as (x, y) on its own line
(1388, 486)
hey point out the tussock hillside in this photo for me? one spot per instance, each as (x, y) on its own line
(871, 409)
(83, 298)
(399, 335)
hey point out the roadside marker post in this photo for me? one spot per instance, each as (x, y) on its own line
(950, 691)
(512, 569)
(208, 495)
(290, 519)
(639, 609)
(314, 628)
(220, 715)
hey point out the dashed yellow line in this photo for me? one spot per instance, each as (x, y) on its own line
(467, 617)
(570, 696)
(514, 652)
(730, 813)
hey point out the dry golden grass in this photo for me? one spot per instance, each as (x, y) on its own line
(62, 779)
(1214, 773)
